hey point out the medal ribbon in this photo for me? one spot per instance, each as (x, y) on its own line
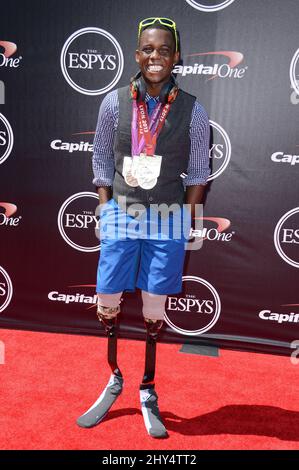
(145, 131)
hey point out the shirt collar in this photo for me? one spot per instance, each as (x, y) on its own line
(149, 97)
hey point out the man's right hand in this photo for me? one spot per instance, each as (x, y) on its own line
(105, 193)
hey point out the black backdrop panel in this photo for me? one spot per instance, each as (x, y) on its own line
(241, 59)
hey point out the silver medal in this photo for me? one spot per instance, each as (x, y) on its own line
(128, 172)
(146, 183)
(148, 170)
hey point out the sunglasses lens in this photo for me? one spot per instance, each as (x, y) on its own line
(148, 21)
(167, 22)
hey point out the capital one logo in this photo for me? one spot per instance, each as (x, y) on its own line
(199, 306)
(281, 157)
(214, 233)
(6, 289)
(286, 237)
(77, 221)
(6, 218)
(92, 61)
(75, 296)
(294, 72)
(228, 69)
(8, 48)
(220, 151)
(6, 138)
(285, 317)
(209, 5)
(71, 147)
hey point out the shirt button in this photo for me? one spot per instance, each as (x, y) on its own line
(150, 198)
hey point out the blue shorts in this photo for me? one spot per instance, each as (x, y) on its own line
(153, 263)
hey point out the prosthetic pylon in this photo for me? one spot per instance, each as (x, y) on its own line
(108, 318)
(152, 330)
(148, 396)
(96, 413)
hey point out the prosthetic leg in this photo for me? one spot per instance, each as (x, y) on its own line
(96, 413)
(148, 396)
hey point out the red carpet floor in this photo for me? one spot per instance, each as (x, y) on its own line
(235, 401)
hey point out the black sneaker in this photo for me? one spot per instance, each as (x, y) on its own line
(151, 415)
(100, 408)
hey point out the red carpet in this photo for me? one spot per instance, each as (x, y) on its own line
(235, 401)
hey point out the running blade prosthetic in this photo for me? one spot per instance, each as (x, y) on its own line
(151, 415)
(96, 413)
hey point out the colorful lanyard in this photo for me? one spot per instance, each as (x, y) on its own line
(145, 130)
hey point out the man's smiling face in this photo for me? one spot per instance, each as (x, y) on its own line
(156, 56)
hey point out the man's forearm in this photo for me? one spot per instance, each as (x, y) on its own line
(105, 193)
(194, 195)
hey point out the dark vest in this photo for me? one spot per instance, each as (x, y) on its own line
(173, 144)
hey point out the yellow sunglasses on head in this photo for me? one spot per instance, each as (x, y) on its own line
(163, 21)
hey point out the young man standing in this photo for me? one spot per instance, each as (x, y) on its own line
(149, 135)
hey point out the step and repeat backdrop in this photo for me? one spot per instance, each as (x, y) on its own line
(58, 60)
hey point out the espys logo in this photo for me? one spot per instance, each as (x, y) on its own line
(6, 218)
(286, 237)
(214, 233)
(209, 6)
(6, 138)
(223, 70)
(220, 152)
(77, 221)
(91, 57)
(6, 289)
(294, 72)
(199, 306)
(286, 317)
(8, 48)
(281, 157)
(72, 147)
